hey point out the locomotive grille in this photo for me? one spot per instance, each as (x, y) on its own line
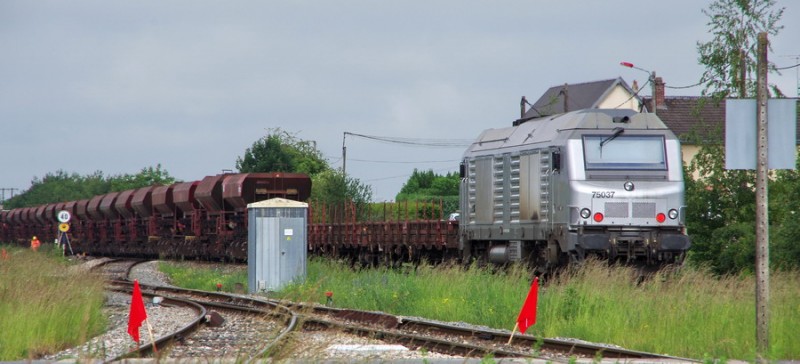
(616, 209)
(637, 209)
(644, 209)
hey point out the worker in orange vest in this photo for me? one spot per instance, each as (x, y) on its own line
(35, 244)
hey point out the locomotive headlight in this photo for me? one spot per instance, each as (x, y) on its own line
(673, 214)
(585, 213)
(628, 186)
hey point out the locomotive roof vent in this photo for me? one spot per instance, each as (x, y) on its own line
(621, 119)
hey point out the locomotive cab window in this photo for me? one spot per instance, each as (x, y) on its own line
(624, 152)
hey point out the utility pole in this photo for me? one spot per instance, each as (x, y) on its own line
(651, 79)
(762, 216)
(344, 155)
(3, 193)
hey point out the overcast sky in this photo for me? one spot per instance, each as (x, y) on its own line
(117, 86)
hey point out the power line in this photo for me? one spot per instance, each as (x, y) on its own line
(405, 162)
(634, 94)
(405, 175)
(788, 67)
(437, 143)
(682, 87)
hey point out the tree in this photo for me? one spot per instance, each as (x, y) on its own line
(280, 151)
(333, 188)
(428, 186)
(721, 214)
(61, 186)
(730, 57)
(720, 202)
(148, 176)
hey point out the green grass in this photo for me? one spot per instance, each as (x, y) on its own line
(44, 306)
(688, 313)
(188, 275)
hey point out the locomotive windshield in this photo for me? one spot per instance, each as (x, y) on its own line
(634, 152)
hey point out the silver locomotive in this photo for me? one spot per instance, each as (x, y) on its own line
(560, 188)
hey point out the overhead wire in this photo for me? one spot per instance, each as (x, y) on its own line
(682, 87)
(438, 143)
(406, 175)
(634, 94)
(403, 162)
(787, 67)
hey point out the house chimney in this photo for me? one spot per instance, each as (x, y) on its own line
(658, 98)
(522, 107)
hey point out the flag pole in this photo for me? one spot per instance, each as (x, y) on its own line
(152, 339)
(516, 325)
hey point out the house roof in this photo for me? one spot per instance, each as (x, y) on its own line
(585, 95)
(685, 115)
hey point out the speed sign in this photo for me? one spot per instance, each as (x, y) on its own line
(63, 216)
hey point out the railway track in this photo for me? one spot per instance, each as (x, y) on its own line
(292, 323)
(114, 269)
(268, 324)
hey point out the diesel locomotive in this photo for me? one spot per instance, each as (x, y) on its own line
(589, 182)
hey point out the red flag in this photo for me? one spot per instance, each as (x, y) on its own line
(527, 316)
(137, 313)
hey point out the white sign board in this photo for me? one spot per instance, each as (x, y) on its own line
(741, 133)
(63, 216)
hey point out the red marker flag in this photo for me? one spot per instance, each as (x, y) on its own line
(527, 316)
(137, 313)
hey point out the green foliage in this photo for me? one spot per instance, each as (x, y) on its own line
(333, 188)
(730, 57)
(427, 183)
(429, 186)
(44, 306)
(378, 211)
(721, 203)
(407, 210)
(721, 214)
(62, 186)
(281, 151)
(148, 176)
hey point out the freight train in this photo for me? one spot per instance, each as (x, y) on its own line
(205, 219)
(545, 191)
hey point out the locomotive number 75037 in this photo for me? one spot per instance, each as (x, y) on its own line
(602, 194)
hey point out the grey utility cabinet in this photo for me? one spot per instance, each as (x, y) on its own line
(277, 245)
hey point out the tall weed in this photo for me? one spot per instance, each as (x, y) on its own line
(44, 305)
(686, 311)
